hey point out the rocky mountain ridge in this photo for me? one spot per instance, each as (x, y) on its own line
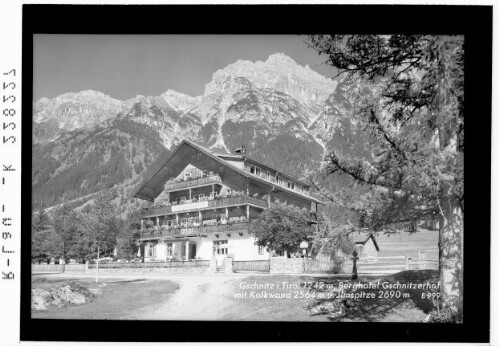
(287, 116)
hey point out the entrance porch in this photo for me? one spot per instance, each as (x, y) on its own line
(175, 249)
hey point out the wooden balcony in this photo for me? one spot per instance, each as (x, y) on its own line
(203, 205)
(181, 185)
(238, 200)
(191, 231)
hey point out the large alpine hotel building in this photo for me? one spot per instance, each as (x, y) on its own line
(202, 204)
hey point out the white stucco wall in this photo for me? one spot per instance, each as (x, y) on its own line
(204, 248)
(161, 251)
(242, 247)
(370, 249)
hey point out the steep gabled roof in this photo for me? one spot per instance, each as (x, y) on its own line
(363, 238)
(148, 188)
(236, 157)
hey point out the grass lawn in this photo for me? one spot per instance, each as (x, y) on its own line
(119, 299)
(409, 244)
(408, 306)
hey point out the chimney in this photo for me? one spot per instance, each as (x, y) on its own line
(241, 151)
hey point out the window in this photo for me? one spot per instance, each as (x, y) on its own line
(218, 249)
(261, 250)
(169, 222)
(198, 197)
(183, 221)
(169, 249)
(257, 171)
(277, 179)
(194, 219)
(267, 175)
(187, 175)
(220, 217)
(152, 251)
(198, 173)
(291, 185)
(252, 169)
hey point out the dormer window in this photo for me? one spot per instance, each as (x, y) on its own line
(255, 170)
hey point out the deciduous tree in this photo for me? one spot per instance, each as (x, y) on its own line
(100, 227)
(282, 227)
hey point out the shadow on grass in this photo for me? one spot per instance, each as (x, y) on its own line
(375, 304)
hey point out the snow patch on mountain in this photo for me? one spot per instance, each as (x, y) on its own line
(281, 73)
(179, 101)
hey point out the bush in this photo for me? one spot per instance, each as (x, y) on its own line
(445, 316)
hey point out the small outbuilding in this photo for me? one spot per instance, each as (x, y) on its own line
(365, 245)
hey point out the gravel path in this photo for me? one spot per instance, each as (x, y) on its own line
(203, 297)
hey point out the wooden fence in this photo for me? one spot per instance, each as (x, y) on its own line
(57, 268)
(167, 264)
(394, 264)
(262, 266)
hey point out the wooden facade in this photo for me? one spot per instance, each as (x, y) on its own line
(201, 204)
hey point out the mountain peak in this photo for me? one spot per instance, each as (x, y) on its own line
(180, 101)
(280, 58)
(174, 93)
(279, 72)
(88, 92)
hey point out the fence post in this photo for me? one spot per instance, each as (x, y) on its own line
(354, 268)
(86, 267)
(228, 266)
(407, 265)
(422, 260)
(213, 265)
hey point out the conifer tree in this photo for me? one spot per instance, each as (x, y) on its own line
(409, 100)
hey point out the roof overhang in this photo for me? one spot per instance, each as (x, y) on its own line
(363, 241)
(173, 165)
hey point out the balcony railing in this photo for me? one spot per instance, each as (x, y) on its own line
(180, 185)
(192, 231)
(203, 204)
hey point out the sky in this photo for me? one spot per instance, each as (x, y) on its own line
(124, 66)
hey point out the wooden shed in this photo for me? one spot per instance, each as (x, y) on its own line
(365, 245)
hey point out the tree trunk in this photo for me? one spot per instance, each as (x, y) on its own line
(451, 256)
